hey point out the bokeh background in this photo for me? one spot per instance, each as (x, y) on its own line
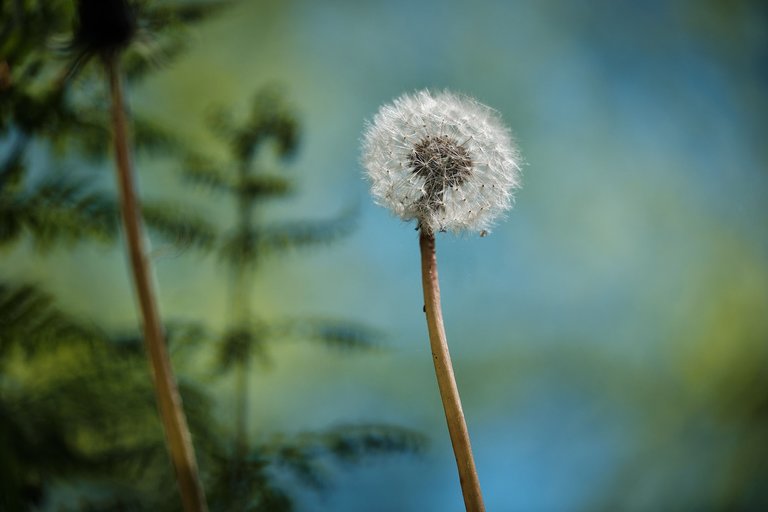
(609, 336)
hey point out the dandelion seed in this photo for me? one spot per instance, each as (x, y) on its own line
(442, 159)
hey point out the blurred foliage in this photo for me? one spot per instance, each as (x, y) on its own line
(78, 411)
(705, 447)
(247, 477)
(61, 210)
(249, 182)
(39, 63)
(79, 427)
(262, 478)
(47, 100)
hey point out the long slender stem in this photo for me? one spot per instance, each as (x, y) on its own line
(241, 411)
(449, 392)
(241, 308)
(168, 400)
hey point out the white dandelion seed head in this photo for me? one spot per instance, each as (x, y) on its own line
(443, 159)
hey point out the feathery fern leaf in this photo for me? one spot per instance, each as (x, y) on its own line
(307, 455)
(290, 235)
(180, 225)
(332, 333)
(30, 322)
(200, 171)
(264, 186)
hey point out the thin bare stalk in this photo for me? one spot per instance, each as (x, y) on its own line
(241, 308)
(168, 399)
(241, 411)
(449, 392)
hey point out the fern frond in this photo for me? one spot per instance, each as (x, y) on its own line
(200, 171)
(270, 119)
(62, 210)
(335, 334)
(158, 16)
(149, 135)
(182, 226)
(239, 249)
(307, 455)
(349, 443)
(240, 344)
(30, 321)
(265, 186)
(281, 237)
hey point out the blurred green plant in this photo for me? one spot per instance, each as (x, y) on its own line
(40, 103)
(245, 477)
(79, 427)
(38, 66)
(78, 422)
(704, 445)
(49, 98)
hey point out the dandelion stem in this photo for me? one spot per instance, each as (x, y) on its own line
(449, 392)
(168, 400)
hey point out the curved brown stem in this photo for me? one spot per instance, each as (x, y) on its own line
(449, 392)
(168, 399)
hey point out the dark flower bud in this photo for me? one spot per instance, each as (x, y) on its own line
(105, 26)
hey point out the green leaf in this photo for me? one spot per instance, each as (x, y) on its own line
(61, 210)
(306, 455)
(31, 322)
(151, 136)
(264, 186)
(349, 443)
(335, 334)
(161, 15)
(164, 37)
(270, 119)
(291, 235)
(200, 171)
(239, 249)
(239, 344)
(13, 166)
(180, 225)
(245, 484)
(242, 249)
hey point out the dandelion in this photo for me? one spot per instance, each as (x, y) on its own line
(442, 159)
(448, 162)
(105, 28)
